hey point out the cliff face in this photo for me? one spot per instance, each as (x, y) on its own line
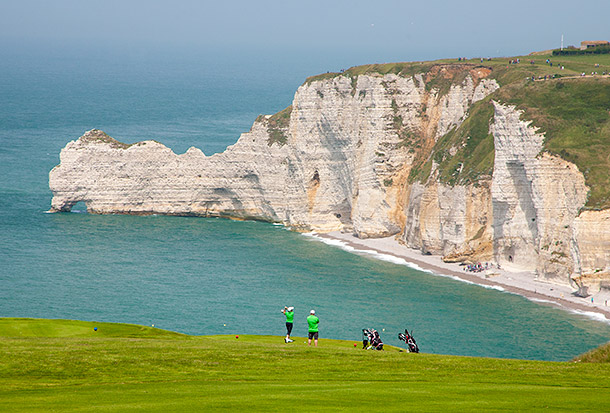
(455, 222)
(340, 158)
(591, 247)
(526, 217)
(536, 198)
(338, 161)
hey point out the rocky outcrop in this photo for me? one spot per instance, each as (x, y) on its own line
(452, 221)
(536, 197)
(591, 247)
(337, 162)
(340, 158)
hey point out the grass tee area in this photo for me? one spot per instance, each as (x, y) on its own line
(59, 365)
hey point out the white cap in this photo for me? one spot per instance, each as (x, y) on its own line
(312, 312)
(290, 308)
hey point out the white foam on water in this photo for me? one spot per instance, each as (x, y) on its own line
(330, 241)
(401, 261)
(453, 277)
(493, 287)
(589, 314)
(393, 259)
(592, 314)
(378, 255)
(542, 300)
(375, 254)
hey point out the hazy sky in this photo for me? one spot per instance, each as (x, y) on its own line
(362, 31)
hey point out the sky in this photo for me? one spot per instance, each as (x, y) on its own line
(307, 37)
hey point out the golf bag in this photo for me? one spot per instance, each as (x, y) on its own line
(371, 336)
(408, 338)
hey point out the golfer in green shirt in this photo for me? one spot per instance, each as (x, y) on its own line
(289, 312)
(313, 322)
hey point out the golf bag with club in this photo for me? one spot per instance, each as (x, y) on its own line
(408, 338)
(371, 336)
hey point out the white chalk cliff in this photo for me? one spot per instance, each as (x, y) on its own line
(339, 159)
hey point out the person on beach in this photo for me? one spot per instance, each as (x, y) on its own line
(313, 322)
(289, 313)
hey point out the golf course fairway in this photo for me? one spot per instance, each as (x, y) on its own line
(62, 365)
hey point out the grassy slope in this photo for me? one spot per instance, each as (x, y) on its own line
(277, 126)
(598, 355)
(474, 150)
(155, 370)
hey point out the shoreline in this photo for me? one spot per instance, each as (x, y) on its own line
(522, 283)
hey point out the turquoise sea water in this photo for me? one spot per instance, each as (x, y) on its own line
(212, 276)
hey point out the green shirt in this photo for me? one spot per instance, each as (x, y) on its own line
(289, 316)
(313, 321)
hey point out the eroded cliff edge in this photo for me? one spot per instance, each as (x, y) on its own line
(433, 157)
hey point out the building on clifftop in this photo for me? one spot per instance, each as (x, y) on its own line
(593, 43)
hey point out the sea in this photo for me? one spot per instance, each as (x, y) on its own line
(215, 276)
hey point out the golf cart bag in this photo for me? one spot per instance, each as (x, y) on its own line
(371, 336)
(408, 338)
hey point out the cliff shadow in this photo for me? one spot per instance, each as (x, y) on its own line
(507, 243)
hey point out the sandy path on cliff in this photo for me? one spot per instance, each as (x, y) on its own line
(522, 283)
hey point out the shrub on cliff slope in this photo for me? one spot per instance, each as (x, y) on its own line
(277, 126)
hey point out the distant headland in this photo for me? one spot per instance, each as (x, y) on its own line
(501, 160)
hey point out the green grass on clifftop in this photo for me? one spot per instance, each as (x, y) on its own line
(121, 368)
(402, 69)
(503, 72)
